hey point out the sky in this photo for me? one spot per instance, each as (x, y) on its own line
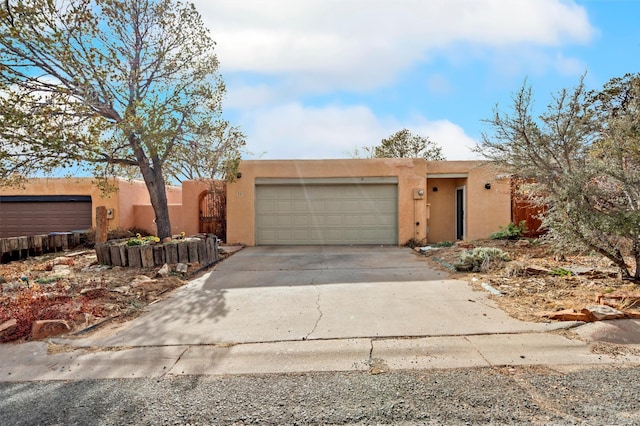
(317, 79)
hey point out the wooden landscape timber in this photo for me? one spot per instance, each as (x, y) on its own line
(16, 248)
(199, 249)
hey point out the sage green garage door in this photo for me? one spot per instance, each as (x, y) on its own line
(327, 214)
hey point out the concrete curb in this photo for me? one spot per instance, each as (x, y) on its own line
(30, 361)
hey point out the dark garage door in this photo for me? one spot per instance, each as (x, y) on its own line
(33, 215)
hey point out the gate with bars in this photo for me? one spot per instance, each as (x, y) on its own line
(213, 211)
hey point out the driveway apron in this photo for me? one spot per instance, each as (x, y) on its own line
(279, 294)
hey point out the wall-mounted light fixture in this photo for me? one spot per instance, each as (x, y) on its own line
(239, 175)
(435, 189)
(487, 185)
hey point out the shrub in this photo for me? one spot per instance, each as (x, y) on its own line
(414, 242)
(510, 232)
(480, 259)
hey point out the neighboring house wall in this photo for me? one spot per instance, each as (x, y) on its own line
(65, 186)
(130, 203)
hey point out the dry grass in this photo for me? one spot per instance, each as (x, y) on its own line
(527, 290)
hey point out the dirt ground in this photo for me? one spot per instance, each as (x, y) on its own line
(72, 286)
(536, 280)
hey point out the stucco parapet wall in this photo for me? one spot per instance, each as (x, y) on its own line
(436, 167)
(333, 168)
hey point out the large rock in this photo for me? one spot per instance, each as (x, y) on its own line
(602, 313)
(566, 315)
(164, 271)
(44, 328)
(8, 327)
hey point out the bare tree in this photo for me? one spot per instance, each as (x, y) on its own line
(581, 152)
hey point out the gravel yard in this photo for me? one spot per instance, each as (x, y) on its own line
(594, 396)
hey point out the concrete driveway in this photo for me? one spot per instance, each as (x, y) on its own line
(280, 294)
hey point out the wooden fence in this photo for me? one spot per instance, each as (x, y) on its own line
(16, 248)
(201, 250)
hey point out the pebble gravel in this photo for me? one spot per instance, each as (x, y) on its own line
(507, 395)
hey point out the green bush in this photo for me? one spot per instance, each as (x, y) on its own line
(480, 259)
(510, 232)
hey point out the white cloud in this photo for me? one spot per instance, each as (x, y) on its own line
(293, 131)
(243, 96)
(455, 143)
(363, 43)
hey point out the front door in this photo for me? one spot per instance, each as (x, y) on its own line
(460, 213)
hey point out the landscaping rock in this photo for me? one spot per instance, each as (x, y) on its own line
(164, 271)
(93, 293)
(8, 327)
(522, 243)
(602, 312)
(536, 270)
(182, 268)
(140, 280)
(45, 328)
(566, 315)
(12, 286)
(149, 285)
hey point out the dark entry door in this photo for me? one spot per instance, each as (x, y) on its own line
(459, 213)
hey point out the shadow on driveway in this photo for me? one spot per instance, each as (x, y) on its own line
(284, 266)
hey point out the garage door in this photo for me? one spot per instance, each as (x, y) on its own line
(327, 213)
(34, 215)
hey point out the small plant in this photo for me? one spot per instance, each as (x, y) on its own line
(510, 232)
(480, 259)
(414, 242)
(560, 272)
(442, 244)
(139, 240)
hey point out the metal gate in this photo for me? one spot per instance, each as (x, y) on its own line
(213, 211)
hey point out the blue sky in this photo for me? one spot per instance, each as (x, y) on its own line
(319, 78)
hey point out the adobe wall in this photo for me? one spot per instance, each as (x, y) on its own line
(67, 186)
(136, 210)
(123, 202)
(485, 209)
(191, 191)
(411, 175)
(144, 218)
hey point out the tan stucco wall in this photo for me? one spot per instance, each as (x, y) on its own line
(144, 218)
(136, 210)
(122, 202)
(67, 186)
(191, 191)
(486, 209)
(410, 173)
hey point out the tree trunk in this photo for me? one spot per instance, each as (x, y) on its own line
(154, 180)
(158, 195)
